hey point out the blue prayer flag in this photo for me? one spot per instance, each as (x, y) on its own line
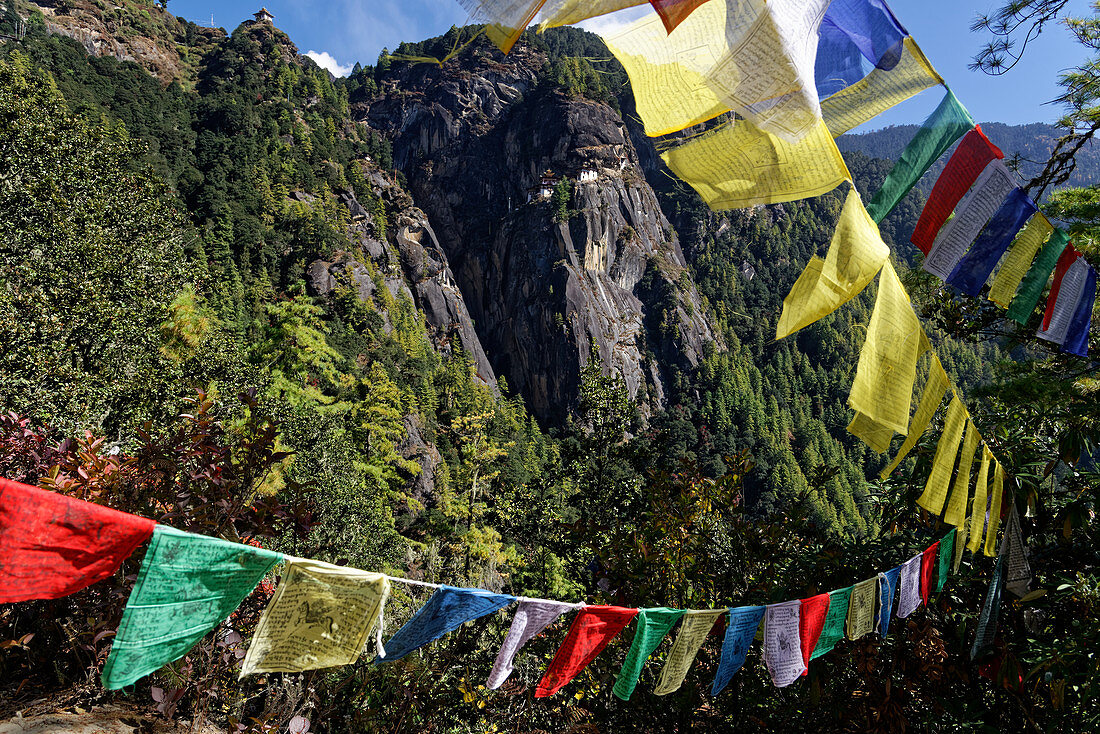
(1077, 337)
(887, 584)
(853, 30)
(447, 610)
(740, 632)
(973, 270)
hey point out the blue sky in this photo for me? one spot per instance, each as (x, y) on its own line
(357, 30)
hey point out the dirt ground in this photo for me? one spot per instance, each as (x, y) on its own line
(109, 719)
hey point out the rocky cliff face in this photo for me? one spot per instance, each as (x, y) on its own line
(551, 231)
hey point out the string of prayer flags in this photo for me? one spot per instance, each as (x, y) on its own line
(320, 616)
(991, 610)
(856, 254)
(929, 562)
(934, 389)
(973, 212)
(52, 545)
(740, 631)
(861, 609)
(592, 630)
(1077, 340)
(1062, 303)
(970, 158)
(981, 496)
(947, 123)
(955, 510)
(975, 267)
(737, 165)
(694, 630)
(674, 12)
(883, 88)
(1018, 260)
(188, 584)
(909, 593)
(832, 630)
(448, 609)
(939, 478)
(653, 625)
(531, 618)
(811, 623)
(994, 507)
(883, 386)
(782, 646)
(943, 559)
(1017, 570)
(1031, 287)
(887, 586)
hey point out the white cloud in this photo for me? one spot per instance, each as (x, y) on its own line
(326, 61)
(613, 23)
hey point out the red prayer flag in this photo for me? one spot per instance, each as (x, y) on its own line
(673, 12)
(967, 163)
(929, 561)
(593, 628)
(52, 545)
(1069, 256)
(811, 620)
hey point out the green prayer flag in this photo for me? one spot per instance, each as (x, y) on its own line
(188, 584)
(947, 555)
(653, 626)
(833, 630)
(1036, 279)
(949, 122)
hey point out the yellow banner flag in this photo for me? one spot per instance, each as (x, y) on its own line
(755, 57)
(874, 434)
(737, 165)
(934, 390)
(861, 609)
(960, 542)
(694, 628)
(879, 90)
(939, 479)
(956, 505)
(855, 254)
(1018, 260)
(567, 12)
(320, 616)
(883, 385)
(995, 509)
(977, 509)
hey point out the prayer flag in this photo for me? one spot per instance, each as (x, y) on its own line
(991, 610)
(1017, 570)
(851, 31)
(782, 648)
(319, 617)
(943, 560)
(673, 12)
(1031, 287)
(530, 619)
(974, 268)
(1018, 259)
(740, 631)
(960, 544)
(1063, 301)
(994, 507)
(929, 563)
(855, 255)
(832, 631)
(973, 212)
(909, 593)
(887, 586)
(693, 632)
(652, 627)
(949, 122)
(939, 478)
(738, 165)
(52, 545)
(955, 511)
(965, 165)
(1077, 338)
(861, 609)
(811, 623)
(592, 629)
(505, 20)
(568, 12)
(187, 586)
(981, 496)
(934, 390)
(448, 609)
(1068, 258)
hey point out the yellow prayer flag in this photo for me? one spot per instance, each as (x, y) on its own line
(874, 434)
(883, 385)
(939, 479)
(505, 19)
(995, 510)
(934, 390)
(1018, 260)
(737, 165)
(960, 542)
(694, 629)
(879, 90)
(567, 12)
(320, 616)
(755, 57)
(861, 609)
(855, 255)
(956, 506)
(977, 510)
